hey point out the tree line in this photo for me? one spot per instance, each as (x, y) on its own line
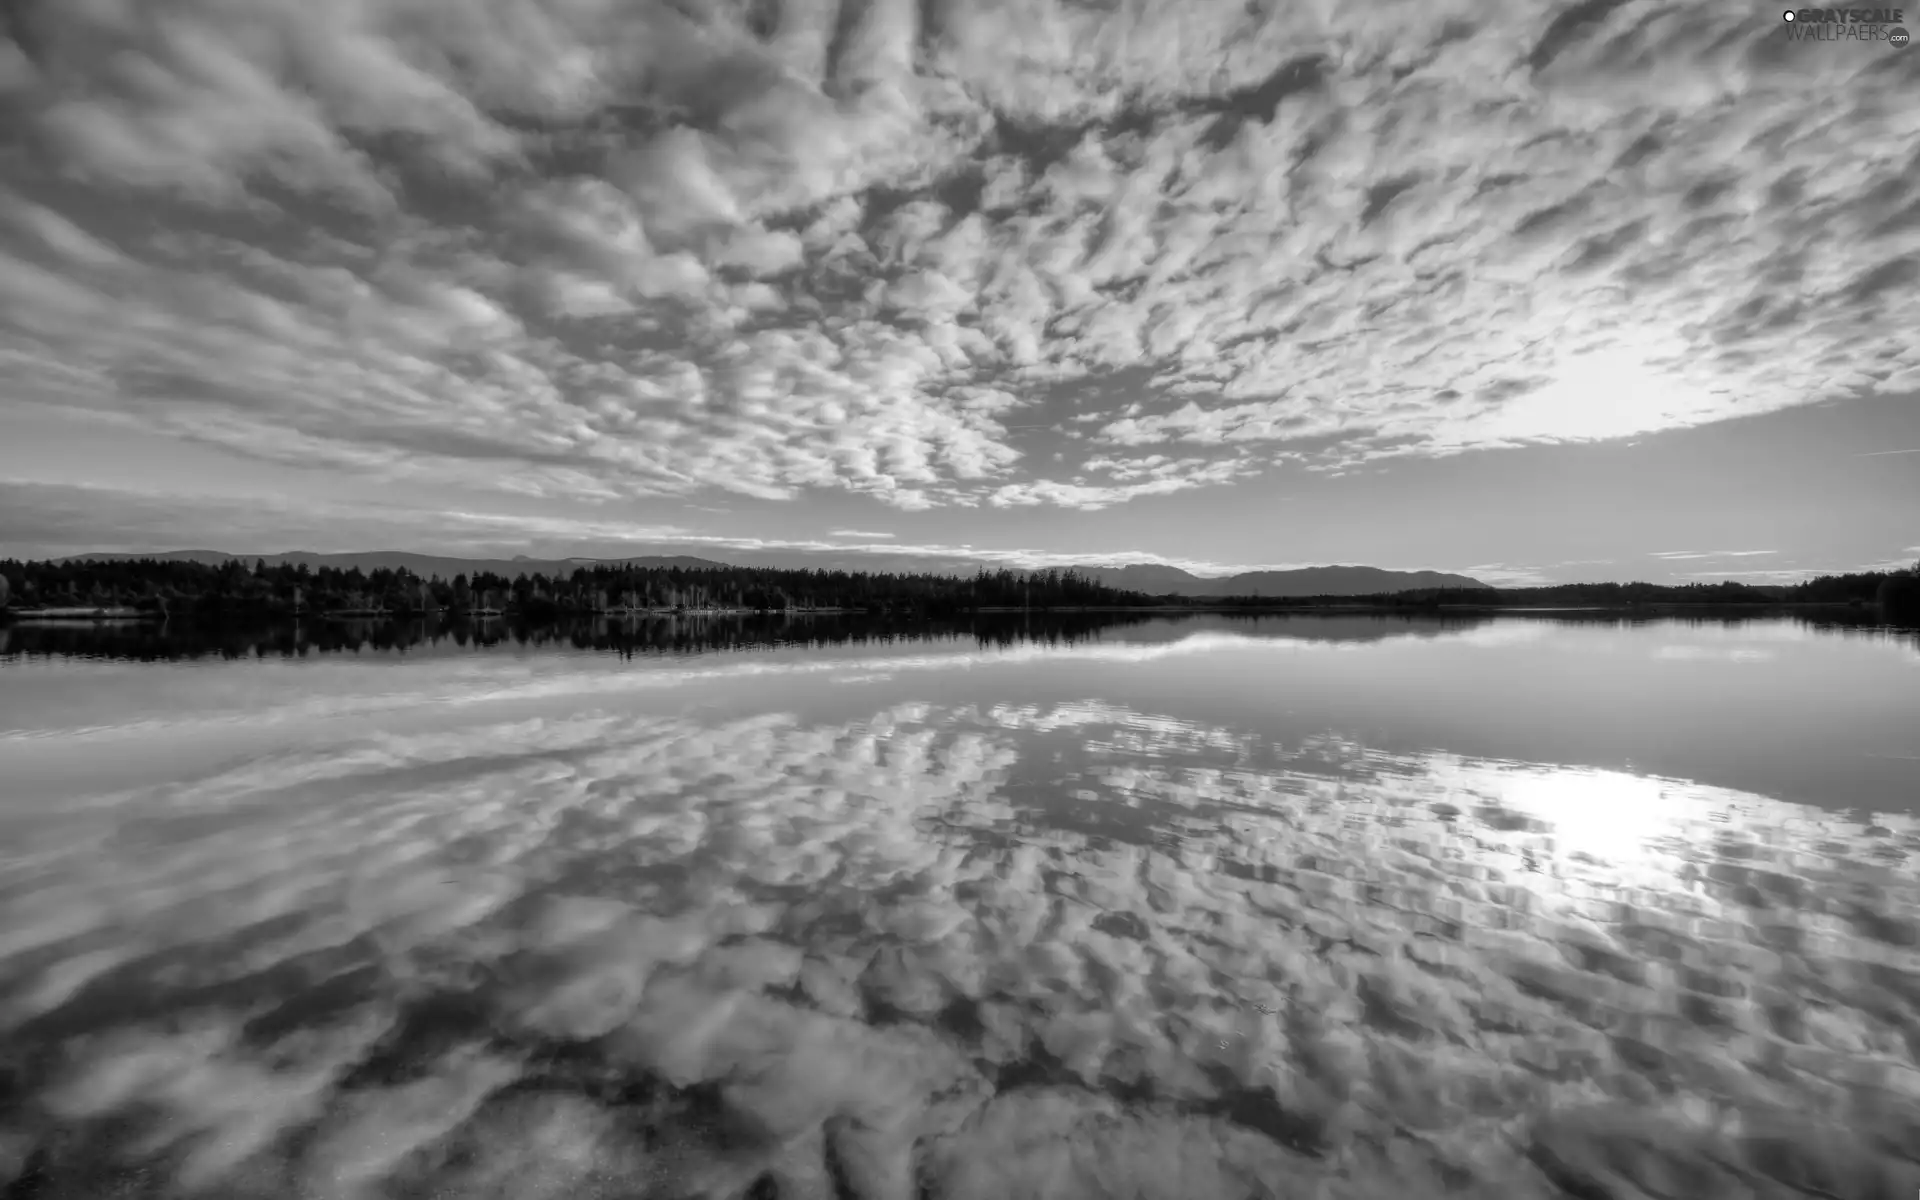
(234, 589)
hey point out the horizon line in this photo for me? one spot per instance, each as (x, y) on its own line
(584, 561)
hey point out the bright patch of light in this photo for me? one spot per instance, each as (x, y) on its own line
(1610, 816)
(1601, 394)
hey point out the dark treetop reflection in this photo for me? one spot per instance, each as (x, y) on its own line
(1156, 915)
(145, 641)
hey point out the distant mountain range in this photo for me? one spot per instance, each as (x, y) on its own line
(1306, 581)
(1152, 579)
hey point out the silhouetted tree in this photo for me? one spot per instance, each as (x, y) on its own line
(1898, 595)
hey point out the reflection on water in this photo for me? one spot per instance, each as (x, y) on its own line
(142, 641)
(146, 641)
(581, 941)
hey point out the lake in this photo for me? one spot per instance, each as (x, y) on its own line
(1302, 906)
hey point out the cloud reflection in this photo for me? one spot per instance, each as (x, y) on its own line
(479, 683)
(1020, 950)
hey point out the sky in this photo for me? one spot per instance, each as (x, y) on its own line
(1537, 292)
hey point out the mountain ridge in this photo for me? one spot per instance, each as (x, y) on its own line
(1342, 580)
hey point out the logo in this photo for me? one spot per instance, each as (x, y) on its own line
(1847, 25)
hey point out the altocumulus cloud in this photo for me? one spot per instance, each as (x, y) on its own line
(593, 250)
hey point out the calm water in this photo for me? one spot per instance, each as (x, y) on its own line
(1288, 907)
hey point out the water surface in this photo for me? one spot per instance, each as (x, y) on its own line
(1302, 906)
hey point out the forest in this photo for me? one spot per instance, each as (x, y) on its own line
(234, 589)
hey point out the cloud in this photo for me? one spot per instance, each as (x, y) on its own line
(1153, 476)
(1509, 575)
(1675, 555)
(599, 252)
(868, 534)
(63, 518)
(1787, 575)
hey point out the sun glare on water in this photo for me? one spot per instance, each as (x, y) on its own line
(1604, 814)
